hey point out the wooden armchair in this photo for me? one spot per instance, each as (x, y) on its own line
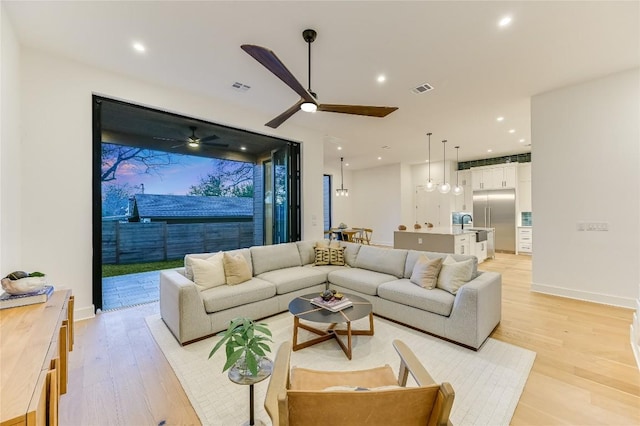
(300, 396)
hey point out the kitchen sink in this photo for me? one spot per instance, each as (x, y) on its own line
(481, 234)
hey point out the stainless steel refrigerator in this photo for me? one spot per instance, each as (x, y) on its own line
(497, 209)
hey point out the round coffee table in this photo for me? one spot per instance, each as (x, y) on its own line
(301, 308)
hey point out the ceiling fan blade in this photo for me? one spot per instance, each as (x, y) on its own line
(370, 111)
(209, 138)
(216, 145)
(285, 115)
(271, 62)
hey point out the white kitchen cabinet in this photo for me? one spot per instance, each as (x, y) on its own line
(524, 187)
(525, 240)
(463, 243)
(481, 251)
(464, 202)
(494, 177)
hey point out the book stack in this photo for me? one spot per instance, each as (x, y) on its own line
(13, 300)
(333, 305)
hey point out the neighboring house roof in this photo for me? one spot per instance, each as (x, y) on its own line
(191, 206)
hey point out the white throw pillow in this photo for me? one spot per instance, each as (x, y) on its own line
(208, 273)
(425, 272)
(454, 275)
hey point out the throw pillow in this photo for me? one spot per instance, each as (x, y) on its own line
(208, 273)
(336, 256)
(425, 272)
(454, 275)
(322, 244)
(236, 269)
(322, 256)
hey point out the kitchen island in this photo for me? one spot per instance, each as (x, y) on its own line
(474, 241)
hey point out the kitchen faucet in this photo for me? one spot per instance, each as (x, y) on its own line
(462, 219)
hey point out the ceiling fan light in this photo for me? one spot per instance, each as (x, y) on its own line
(309, 107)
(194, 144)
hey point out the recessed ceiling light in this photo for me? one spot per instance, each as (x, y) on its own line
(521, 140)
(339, 148)
(379, 158)
(243, 148)
(489, 150)
(139, 47)
(499, 118)
(505, 21)
(346, 164)
(381, 78)
(512, 130)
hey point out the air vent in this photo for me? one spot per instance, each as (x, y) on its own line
(423, 88)
(240, 87)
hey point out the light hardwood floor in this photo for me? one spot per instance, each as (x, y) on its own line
(584, 372)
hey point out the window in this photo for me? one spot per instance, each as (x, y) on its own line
(326, 201)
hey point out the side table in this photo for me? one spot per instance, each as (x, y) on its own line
(264, 370)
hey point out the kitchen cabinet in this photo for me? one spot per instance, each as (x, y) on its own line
(524, 187)
(463, 243)
(481, 251)
(494, 177)
(464, 202)
(525, 240)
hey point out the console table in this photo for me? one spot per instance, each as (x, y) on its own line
(36, 341)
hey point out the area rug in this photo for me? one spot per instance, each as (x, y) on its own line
(488, 383)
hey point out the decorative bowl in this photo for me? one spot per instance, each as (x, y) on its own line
(23, 285)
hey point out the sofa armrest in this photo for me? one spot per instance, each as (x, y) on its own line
(181, 307)
(477, 309)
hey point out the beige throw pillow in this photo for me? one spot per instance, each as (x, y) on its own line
(454, 275)
(322, 256)
(425, 272)
(236, 268)
(336, 256)
(208, 273)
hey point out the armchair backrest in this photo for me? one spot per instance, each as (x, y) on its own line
(402, 406)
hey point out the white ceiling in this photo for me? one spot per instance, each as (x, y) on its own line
(479, 71)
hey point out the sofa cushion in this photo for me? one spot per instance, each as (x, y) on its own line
(306, 250)
(350, 252)
(413, 255)
(454, 275)
(236, 268)
(208, 272)
(405, 292)
(277, 256)
(386, 261)
(296, 278)
(425, 272)
(361, 280)
(224, 297)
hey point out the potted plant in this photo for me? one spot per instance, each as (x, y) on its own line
(245, 344)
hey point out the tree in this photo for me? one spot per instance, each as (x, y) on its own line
(228, 179)
(116, 156)
(115, 199)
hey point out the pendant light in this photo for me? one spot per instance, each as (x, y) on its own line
(444, 187)
(342, 192)
(457, 190)
(430, 186)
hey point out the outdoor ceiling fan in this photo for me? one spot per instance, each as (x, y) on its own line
(194, 141)
(308, 99)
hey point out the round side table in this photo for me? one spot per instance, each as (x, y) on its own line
(264, 370)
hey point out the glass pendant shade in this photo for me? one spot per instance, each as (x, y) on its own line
(430, 186)
(457, 190)
(444, 188)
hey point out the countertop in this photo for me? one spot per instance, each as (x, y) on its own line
(443, 230)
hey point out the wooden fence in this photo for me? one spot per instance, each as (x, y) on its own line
(157, 241)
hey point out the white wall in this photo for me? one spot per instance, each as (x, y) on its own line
(10, 193)
(585, 141)
(377, 201)
(56, 160)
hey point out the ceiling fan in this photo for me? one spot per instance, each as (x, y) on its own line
(308, 100)
(194, 141)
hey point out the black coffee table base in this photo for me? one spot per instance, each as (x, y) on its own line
(330, 333)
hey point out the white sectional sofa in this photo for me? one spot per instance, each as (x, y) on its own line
(283, 272)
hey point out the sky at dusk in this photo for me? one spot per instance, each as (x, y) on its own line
(174, 179)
